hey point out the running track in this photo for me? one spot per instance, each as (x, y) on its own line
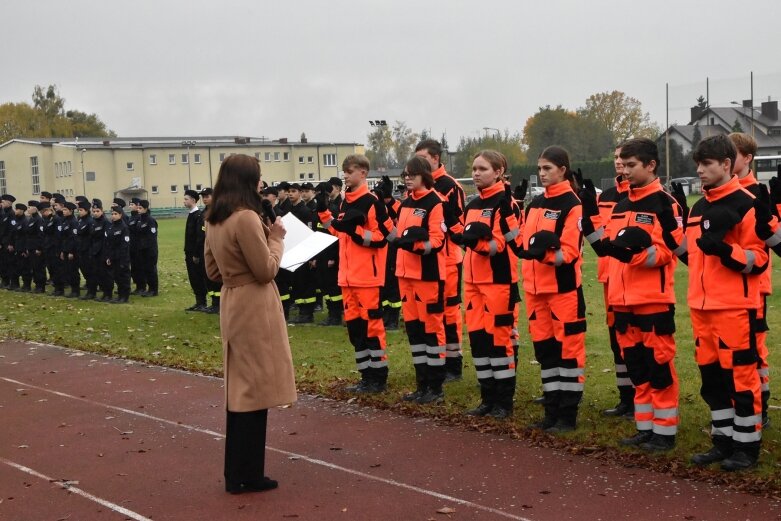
(86, 437)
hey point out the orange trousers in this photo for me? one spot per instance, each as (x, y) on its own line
(763, 367)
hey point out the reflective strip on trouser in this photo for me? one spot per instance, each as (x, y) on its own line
(626, 389)
(489, 320)
(645, 336)
(363, 316)
(453, 319)
(557, 327)
(423, 308)
(762, 364)
(726, 353)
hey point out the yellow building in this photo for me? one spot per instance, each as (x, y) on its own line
(157, 169)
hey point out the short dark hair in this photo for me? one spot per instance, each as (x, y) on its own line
(643, 149)
(419, 166)
(432, 146)
(719, 148)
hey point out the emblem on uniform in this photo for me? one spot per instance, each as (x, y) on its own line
(622, 232)
(487, 213)
(419, 212)
(127, 239)
(531, 241)
(580, 224)
(706, 224)
(553, 215)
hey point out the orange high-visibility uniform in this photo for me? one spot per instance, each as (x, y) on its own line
(751, 184)
(489, 276)
(421, 274)
(642, 296)
(555, 305)
(724, 295)
(362, 256)
(606, 201)
(453, 197)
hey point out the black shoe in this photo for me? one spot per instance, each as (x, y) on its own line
(332, 320)
(366, 387)
(738, 461)
(58, 293)
(481, 410)
(432, 397)
(120, 300)
(621, 409)
(561, 427)
(138, 291)
(211, 310)
(540, 400)
(452, 377)
(255, 486)
(24, 289)
(659, 443)
(544, 424)
(88, 296)
(304, 319)
(196, 307)
(148, 293)
(414, 396)
(500, 413)
(39, 289)
(636, 440)
(714, 455)
(72, 294)
(104, 298)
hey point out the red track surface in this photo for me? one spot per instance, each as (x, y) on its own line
(139, 442)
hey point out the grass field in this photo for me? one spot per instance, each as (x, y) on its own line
(159, 331)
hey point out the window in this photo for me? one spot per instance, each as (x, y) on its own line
(57, 170)
(286, 156)
(186, 187)
(197, 159)
(171, 159)
(222, 156)
(300, 160)
(2, 178)
(185, 159)
(89, 176)
(152, 159)
(310, 159)
(329, 159)
(130, 165)
(311, 175)
(70, 168)
(173, 189)
(301, 175)
(276, 156)
(35, 175)
(257, 156)
(154, 189)
(199, 187)
(267, 156)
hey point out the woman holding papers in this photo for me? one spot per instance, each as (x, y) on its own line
(244, 253)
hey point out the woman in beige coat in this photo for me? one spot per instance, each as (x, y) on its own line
(244, 253)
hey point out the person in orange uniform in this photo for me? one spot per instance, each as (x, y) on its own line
(489, 276)
(606, 201)
(746, 150)
(726, 258)
(638, 241)
(555, 307)
(363, 229)
(420, 268)
(453, 195)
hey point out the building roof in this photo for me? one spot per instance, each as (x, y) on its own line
(170, 142)
(687, 131)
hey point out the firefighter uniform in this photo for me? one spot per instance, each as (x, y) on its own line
(147, 251)
(304, 277)
(726, 259)
(283, 279)
(69, 252)
(489, 278)
(390, 293)
(420, 268)
(362, 227)
(555, 306)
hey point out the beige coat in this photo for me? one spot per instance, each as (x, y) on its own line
(256, 353)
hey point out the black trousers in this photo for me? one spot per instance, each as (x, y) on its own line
(245, 447)
(195, 274)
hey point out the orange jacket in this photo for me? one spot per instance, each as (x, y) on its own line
(362, 254)
(648, 277)
(491, 261)
(606, 201)
(751, 184)
(734, 284)
(557, 210)
(426, 261)
(453, 196)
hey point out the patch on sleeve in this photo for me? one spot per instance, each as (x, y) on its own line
(487, 213)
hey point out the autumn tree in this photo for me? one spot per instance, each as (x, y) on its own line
(622, 115)
(511, 145)
(585, 139)
(380, 146)
(404, 141)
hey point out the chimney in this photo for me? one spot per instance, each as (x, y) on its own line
(241, 140)
(283, 141)
(106, 143)
(747, 103)
(770, 110)
(696, 113)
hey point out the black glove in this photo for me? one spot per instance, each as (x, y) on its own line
(410, 236)
(632, 238)
(322, 201)
(541, 242)
(473, 232)
(349, 221)
(711, 244)
(520, 191)
(579, 181)
(384, 188)
(775, 188)
(763, 217)
(505, 205)
(717, 221)
(588, 198)
(680, 198)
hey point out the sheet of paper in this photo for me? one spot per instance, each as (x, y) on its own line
(301, 243)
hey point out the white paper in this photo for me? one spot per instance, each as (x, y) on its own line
(301, 243)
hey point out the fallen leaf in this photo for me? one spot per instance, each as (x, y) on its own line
(446, 510)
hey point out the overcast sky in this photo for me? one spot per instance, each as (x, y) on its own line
(276, 69)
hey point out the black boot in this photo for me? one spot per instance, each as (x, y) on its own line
(420, 382)
(435, 377)
(390, 318)
(486, 399)
(453, 368)
(334, 315)
(504, 390)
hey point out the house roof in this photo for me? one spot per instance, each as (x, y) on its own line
(168, 142)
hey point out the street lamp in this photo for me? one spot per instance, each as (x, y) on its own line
(491, 128)
(380, 125)
(83, 173)
(188, 144)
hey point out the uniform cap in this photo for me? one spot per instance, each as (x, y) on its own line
(118, 201)
(32, 202)
(144, 204)
(58, 198)
(8, 197)
(84, 205)
(307, 186)
(135, 200)
(47, 195)
(206, 191)
(97, 203)
(335, 181)
(294, 186)
(21, 206)
(284, 185)
(44, 205)
(271, 190)
(70, 206)
(80, 198)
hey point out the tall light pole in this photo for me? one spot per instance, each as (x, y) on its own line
(494, 129)
(188, 144)
(83, 173)
(380, 125)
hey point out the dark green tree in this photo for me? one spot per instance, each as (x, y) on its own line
(584, 138)
(736, 126)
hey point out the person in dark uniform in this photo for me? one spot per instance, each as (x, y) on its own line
(304, 277)
(283, 278)
(97, 252)
(17, 245)
(45, 197)
(120, 203)
(283, 201)
(193, 250)
(212, 288)
(6, 258)
(389, 293)
(69, 250)
(34, 270)
(83, 242)
(52, 246)
(147, 249)
(132, 225)
(328, 259)
(117, 256)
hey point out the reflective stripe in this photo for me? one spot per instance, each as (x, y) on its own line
(650, 261)
(362, 354)
(571, 372)
(547, 373)
(377, 353)
(502, 361)
(436, 361)
(551, 386)
(644, 425)
(367, 238)
(773, 240)
(672, 412)
(484, 374)
(512, 234)
(481, 361)
(311, 300)
(504, 373)
(378, 363)
(362, 365)
(745, 421)
(623, 382)
(766, 387)
(746, 437)
(284, 297)
(435, 350)
(722, 414)
(570, 386)
(558, 258)
(426, 247)
(393, 304)
(721, 431)
(750, 259)
(596, 235)
(421, 359)
(336, 298)
(492, 247)
(453, 347)
(392, 235)
(763, 371)
(644, 407)
(666, 430)
(682, 248)
(327, 224)
(620, 368)
(418, 348)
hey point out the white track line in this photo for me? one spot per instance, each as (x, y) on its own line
(76, 490)
(314, 461)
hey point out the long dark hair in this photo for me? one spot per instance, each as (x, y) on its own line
(419, 166)
(236, 188)
(559, 157)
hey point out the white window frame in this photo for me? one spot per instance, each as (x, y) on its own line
(302, 176)
(198, 187)
(171, 159)
(267, 156)
(197, 159)
(310, 159)
(186, 187)
(2, 178)
(300, 160)
(329, 159)
(70, 169)
(185, 158)
(35, 174)
(130, 166)
(257, 156)
(311, 175)
(174, 189)
(276, 156)
(152, 159)
(155, 189)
